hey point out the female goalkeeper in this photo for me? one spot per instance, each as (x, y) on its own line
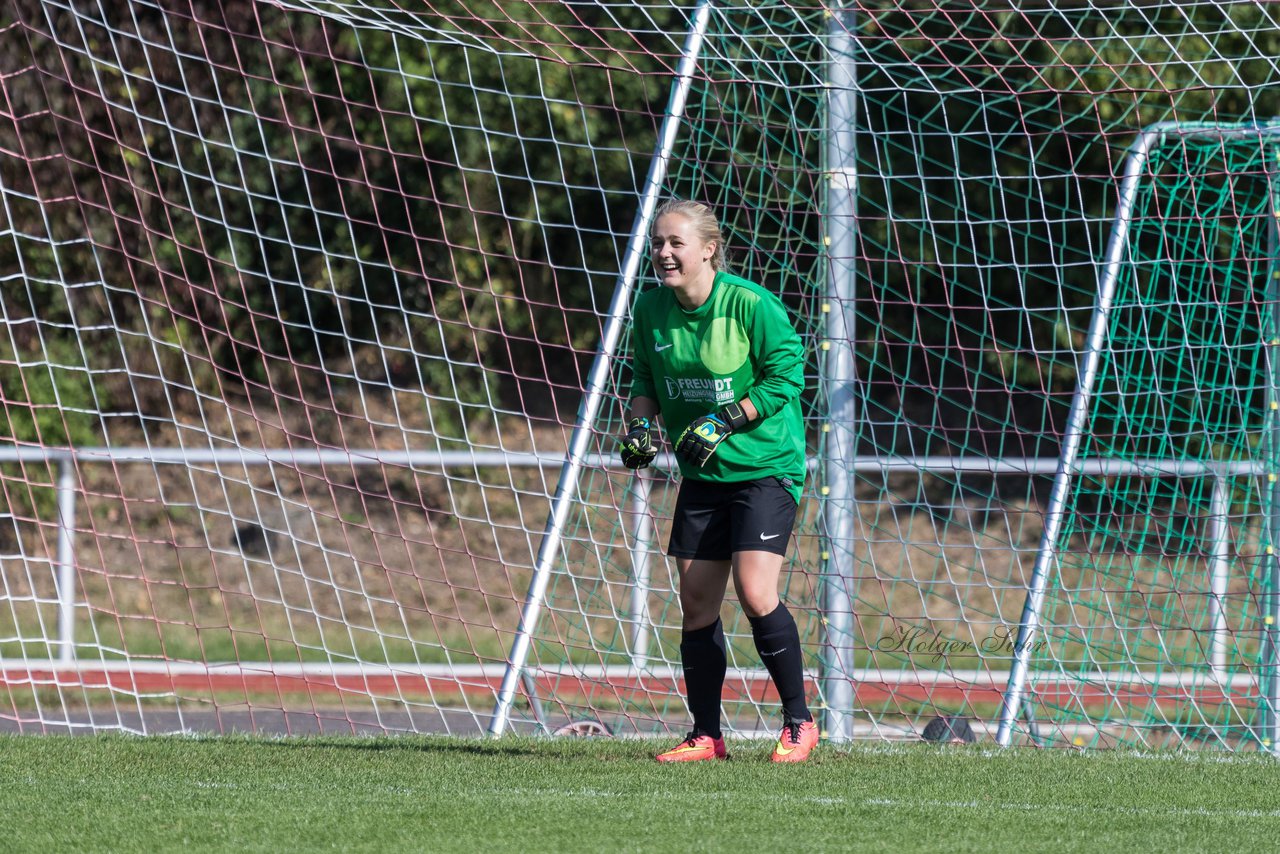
(717, 357)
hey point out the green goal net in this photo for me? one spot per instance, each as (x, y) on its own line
(1161, 600)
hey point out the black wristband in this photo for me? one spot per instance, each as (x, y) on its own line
(734, 415)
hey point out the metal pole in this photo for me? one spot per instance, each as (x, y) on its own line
(839, 381)
(598, 381)
(1219, 567)
(66, 579)
(1270, 663)
(1055, 511)
(878, 465)
(641, 538)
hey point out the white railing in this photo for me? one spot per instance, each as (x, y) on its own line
(67, 459)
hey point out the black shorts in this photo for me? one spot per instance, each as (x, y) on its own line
(713, 521)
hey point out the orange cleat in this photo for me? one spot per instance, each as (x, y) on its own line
(797, 741)
(695, 748)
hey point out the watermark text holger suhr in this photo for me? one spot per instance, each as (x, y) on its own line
(916, 640)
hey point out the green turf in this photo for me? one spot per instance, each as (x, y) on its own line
(441, 794)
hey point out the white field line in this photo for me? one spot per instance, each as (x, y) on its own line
(1059, 808)
(1056, 808)
(592, 793)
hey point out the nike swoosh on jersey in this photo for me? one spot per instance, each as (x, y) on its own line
(769, 536)
(658, 348)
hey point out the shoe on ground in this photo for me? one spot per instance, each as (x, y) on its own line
(696, 747)
(796, 742)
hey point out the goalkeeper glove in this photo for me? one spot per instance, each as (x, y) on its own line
(699, 440)
(637, 448)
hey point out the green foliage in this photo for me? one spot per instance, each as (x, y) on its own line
(353, 206)
(990, 163)
(302, 206)
(47, 393)
(47, 399)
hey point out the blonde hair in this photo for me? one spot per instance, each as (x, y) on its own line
(705, 225)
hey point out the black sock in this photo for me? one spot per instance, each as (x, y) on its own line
(778, 642)
(702, 652)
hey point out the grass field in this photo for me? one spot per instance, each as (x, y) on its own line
(440, 794)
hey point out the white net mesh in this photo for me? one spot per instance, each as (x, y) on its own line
(313, 291)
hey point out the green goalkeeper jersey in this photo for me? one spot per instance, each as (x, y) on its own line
(738, 344)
